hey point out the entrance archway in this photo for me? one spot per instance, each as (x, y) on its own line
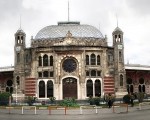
(70, 87)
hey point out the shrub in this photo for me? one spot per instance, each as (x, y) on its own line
(71, 102)
(126, 99)
(4, 98)
(30, 100)
(52, 100)
(140, 96)
(111, 97)
(94, 101)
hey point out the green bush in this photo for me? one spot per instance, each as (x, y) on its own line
(4, 98)
(140, 96)
(30, 100)
(52, 100)
(94, 101)
(126, 99)
(71, 102)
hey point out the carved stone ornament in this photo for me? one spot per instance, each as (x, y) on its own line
(69, 35)
(68, 38)
(147, 82)
(135, 82)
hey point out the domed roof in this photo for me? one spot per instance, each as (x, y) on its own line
(60, 30)
(20, 31)
(117, 29)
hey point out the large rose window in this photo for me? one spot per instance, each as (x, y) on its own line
(69, 65)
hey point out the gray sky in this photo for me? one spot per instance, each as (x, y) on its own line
(133, 19)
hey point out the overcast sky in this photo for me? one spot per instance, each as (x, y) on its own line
(133, 18)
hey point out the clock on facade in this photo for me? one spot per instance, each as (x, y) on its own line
(18, 48)
(69, 65)
(119, 46)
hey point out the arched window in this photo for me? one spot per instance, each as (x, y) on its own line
(93, 73)
(45, 74)
(141, 85)
(143, 88)
(18, 39)
(49, 88)
(110, 58)
(41, 89)
(45, 60)
(9, 87)
(116, 38)
(40, 61)
(89, 88)
(141, 81)
(87, 73)
(26, 58)
(98, 60)
(40, 74)
(93, 59)
(97, 88)
(51, 74)
(98, 73)
(51, 60)
(140, 88)
(130, 85)
(18, 57)
(18, 80)
(129, 81)
(9, 83)
(120, 56)
(121, 80)
(87, 59)
(21, 37)
(119, 39)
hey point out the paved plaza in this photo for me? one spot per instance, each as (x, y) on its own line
(75, 114)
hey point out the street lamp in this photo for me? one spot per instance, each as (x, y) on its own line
(16, 93)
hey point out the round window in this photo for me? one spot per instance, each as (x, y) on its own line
(69, 65)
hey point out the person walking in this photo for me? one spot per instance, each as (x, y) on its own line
(132, 97)
(109, 100)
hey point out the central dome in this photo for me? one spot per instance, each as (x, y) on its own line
(60, 31)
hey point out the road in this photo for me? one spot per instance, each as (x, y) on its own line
(75, 115)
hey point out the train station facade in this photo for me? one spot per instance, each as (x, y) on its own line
(72, 60)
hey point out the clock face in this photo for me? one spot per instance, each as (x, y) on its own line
(69, 65)
(18, 48)
(119, 46)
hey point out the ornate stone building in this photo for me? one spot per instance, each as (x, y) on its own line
(71, 60)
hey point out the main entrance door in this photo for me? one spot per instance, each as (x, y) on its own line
(70, 88)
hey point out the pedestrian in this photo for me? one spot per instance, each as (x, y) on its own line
(132, 97)
(109, 100)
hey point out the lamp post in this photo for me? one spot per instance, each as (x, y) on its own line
(16, 93)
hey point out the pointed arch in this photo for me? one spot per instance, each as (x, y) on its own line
(41, 89)
(97, 88)
(93, 59)
(93, 73)
(141, 85)
(120, 56)
(121, 80)
(51, 60)
(130, 88)
(49, 88)
(45, 60)
(89, 88)
(18, 57)
(40, 61)
(87, 59)
(18, 80)
(98, 60)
